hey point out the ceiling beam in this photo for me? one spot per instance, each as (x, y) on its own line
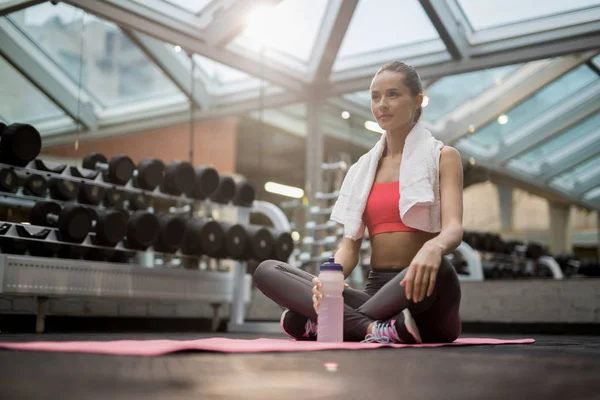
(179, 74)
(551, 123)
(585, 150)
(437, 67)
(581, 188)
(336, 22)
(11, 6)
(129, 14)
(34, 65)
(448, 27)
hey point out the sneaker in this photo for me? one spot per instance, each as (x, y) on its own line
(385, 331)
(298, 327)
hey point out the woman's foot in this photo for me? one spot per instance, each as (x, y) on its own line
(298, 327)
(395, 331)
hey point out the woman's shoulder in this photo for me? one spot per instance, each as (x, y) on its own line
(449, 153)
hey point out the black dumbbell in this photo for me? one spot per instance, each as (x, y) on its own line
(148, 174)
(119, 170)
(19, 144)
(235, 241)
(9, 182)
(534, 250)
(91, 194)
(225, 191)
(205, 183)
(35, 185)
(114, 198)
(179, 177)
(283, 245)
(110, 226)
(245, 194)
(61, 189)
(261, 243)
(142, 230)
(203, 236)
(73, 221)
(138, 201)
(172, 232)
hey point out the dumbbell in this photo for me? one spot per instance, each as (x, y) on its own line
(225, 191)
(137, 201)
(283, 245)
(171, 234)
(235, 241)
(35, 185)
(143, 229)
(534, 250)
(148, 174)
(9, 181)
(244, 194)
(73, 221)
(261, 242)
(114, 198)
(205, 183)
(203, 236)
(91, 194)
(179, 177)
(119, 170)
(110, 226)
(19, 144)
(61, 189)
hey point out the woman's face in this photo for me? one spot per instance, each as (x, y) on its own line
(392, 103)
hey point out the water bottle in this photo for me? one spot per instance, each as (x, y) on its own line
(331, 307)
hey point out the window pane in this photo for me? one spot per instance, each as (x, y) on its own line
(21, 100)
(382, 24)
(541, 102)
(114, 70)
(444, 96)
(193, 6)
(596, 61)
(581, 173)
(557, 148)
(290, 29)
(592, 194)
(488, 14)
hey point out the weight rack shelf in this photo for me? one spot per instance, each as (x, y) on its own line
(30, 169)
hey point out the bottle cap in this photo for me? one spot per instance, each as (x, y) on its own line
(331, 266)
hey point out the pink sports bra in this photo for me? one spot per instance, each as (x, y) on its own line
(382, 212)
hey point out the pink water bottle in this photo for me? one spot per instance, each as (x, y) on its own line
(331, 307)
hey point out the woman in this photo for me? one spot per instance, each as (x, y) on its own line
(413, 293)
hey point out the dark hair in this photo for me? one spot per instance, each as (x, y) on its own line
(412, 80)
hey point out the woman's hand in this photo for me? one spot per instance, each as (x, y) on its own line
(317, 295)
(422, 272)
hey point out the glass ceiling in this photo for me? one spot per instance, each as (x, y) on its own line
(490, 14)
(130, 83)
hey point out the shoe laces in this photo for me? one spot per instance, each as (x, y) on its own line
(310, 328)
(383, 332)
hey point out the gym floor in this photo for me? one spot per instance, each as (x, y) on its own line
(555, 367)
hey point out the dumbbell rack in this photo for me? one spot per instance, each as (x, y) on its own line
(55, 277)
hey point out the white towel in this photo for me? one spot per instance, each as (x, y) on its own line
(419, 206)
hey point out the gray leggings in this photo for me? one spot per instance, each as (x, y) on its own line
(437, 316)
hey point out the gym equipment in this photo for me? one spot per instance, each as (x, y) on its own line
(19, 144)
(138, 201)
(179, 177)
(143, 229)
(110, 227)
(590, 268)
(283, 245)
(9, 182)
(148, 174)
(225, 191)
(569, 265)
(261, 243)
(73, 221)
(73, 252)
(41, 165)
(64, 190)
(91, 194)
(244, 194)
(114, 198)
(171, 234)
(235, 241)
(206, 182)
(118, 171)
(35, 185)
(534, 250)
(203, 236)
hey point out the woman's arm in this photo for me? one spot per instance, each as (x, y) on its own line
(348, 254)
(422, 271)
(451, 198)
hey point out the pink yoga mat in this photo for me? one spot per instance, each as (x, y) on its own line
(224, 345)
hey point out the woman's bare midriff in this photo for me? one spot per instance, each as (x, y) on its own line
(395, 250)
